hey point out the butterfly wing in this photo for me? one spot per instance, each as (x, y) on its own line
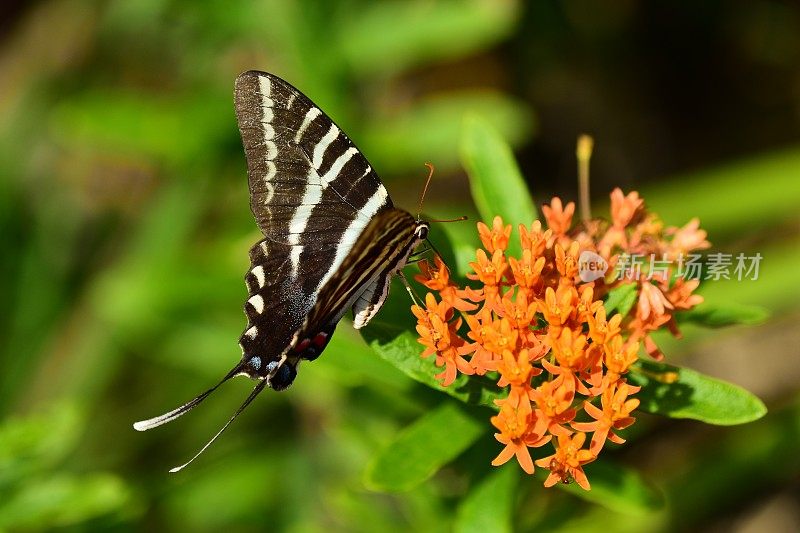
(312, 193)
(361, 281)
(380, 251)
(310, 187)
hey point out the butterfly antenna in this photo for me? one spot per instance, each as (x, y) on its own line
(151, 423)
(425, 189)
(258, 388)
(457, 219)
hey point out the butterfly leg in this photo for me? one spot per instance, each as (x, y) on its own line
(409, 289)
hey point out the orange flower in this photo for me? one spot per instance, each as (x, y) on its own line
(503, 336)
(519, 312)
(567, 263)
(651, 300)
(619, 357)
(554, 404)
(481, 328)
(516, 370)
(615, 414)
(567, 463)
(527, 272)
(646, 237)
(624, 208)
(438, 279)
(600, 329)
(490, 274)
(640, 329)
(440, 337)
(569, 349)
(587, 305)
(497, 237)
(594, 372)
(688, 238)
(559, 218)
(558, 305)
(536, 316)
(680, 295)
(519, 430)
(536, 240)
(453, 363)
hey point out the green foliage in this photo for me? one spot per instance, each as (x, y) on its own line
(489, 505)
(64, 500)
(400, 347)
(620, 299)
(30, 496)
(496, 182)
(726, 314)
(412, 33)
(410, 137)
(423, 448)
(617, 488)
(33, 444)
(684, 393)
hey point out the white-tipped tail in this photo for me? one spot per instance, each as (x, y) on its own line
(151, 423)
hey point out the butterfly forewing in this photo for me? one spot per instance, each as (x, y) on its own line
(308, 181)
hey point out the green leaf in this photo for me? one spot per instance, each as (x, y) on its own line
(489, 505)
(413, 33)
(399, 346)
(728, 314)
(683, 393)
(35, 443)
(621, 299)
(422, 449)
(138, 125)
(64, 500)
(430, 130)
(617, 488)
(495, 179)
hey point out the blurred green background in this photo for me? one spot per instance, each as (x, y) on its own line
(125, 229)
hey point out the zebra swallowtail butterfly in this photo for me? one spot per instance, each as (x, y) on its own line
(332, 238)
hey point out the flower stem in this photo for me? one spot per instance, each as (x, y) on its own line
(584, 154)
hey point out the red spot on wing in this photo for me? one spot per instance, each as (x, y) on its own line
(320, 340)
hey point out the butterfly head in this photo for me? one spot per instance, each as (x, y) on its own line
(421, 230)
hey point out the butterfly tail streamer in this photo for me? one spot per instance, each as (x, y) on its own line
(258, 388)
(151, 423)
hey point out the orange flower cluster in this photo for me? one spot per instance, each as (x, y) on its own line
(633, 232)
(530, 322)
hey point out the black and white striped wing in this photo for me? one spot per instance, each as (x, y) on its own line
(310, 187)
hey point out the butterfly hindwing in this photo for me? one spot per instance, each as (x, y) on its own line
(272, 317)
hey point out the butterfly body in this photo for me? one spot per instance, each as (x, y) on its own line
(332, 237)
